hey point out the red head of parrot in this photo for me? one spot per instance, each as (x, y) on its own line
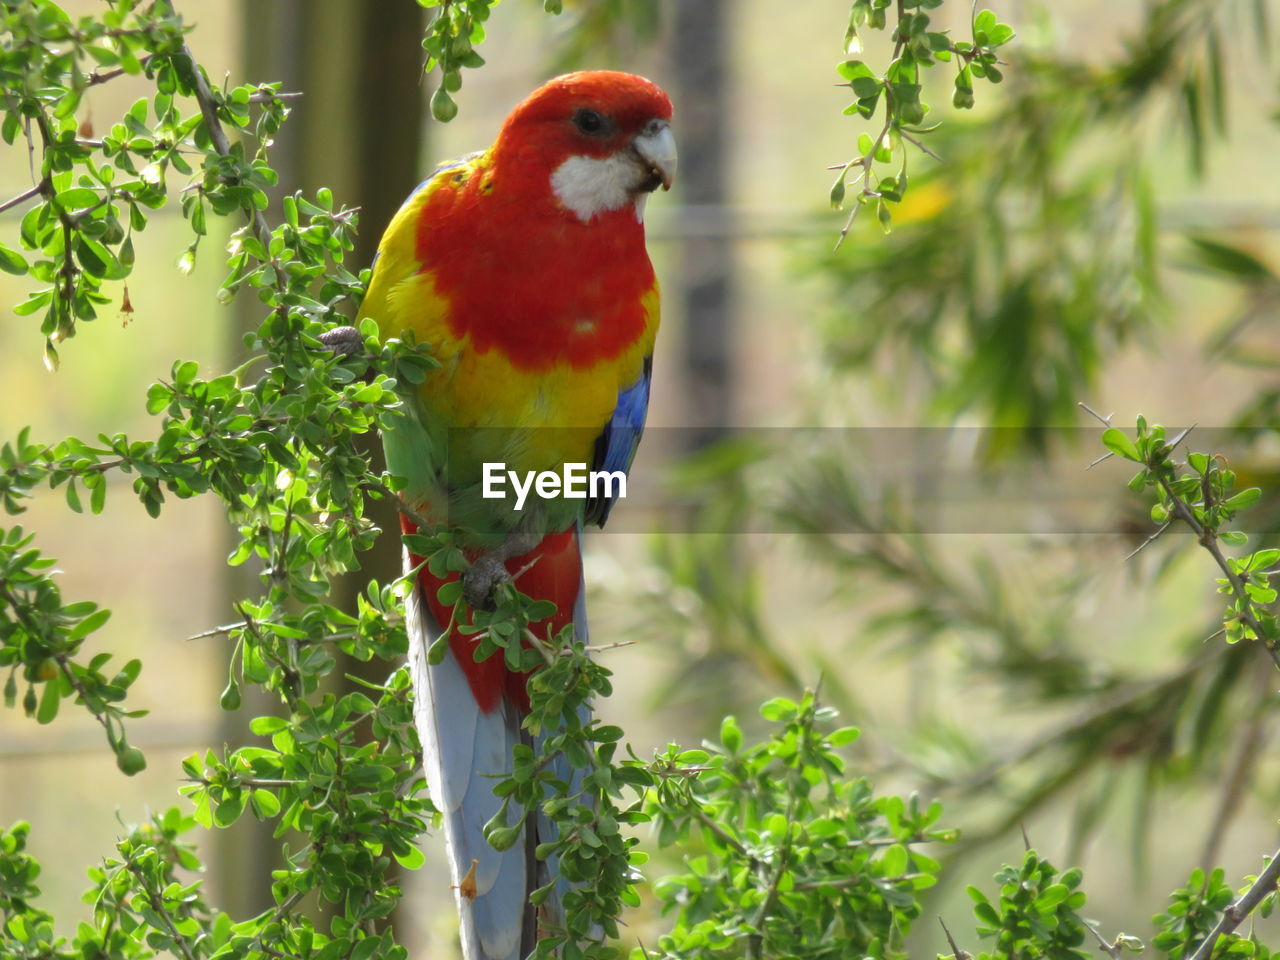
(591, 141)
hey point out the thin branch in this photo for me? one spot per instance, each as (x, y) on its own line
(1235, 914)
(1151, 539)
(1209, 540)
(919, 837)
(60, 658)
(956, 951)
(68, 269)
(851, 881)
(908, 137)
(1105, 421)
(755, 942)
(25, 195)
(157, 904)
(420, 521)
(209, 110)
(222, 630)
(867, 160)
(96, 78)
(601, 647)
(548, 655)
(267, 96)
(249, 782)
(1182, 436)
(719, 832)
(64, 666)
(102, 76)
(337, 637)
(1114, 949)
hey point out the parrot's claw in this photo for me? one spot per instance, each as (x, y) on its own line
(482, 578)
(344, 341)
(489, 570)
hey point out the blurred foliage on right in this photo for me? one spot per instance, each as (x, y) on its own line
(1043, 677)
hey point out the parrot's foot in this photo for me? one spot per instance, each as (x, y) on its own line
(489, 571)
(482, 578)
(344, 341)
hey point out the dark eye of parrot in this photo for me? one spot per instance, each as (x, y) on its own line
(592, 123)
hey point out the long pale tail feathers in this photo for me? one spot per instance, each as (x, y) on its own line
(465, 749)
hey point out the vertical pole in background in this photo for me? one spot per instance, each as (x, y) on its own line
(358, 130)
(700, 46)
(364, 138)
(245, 853)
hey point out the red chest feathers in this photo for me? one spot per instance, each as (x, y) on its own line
(531, 280)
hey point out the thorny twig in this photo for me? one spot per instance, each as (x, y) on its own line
(1235, 914)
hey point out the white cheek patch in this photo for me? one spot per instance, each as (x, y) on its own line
(588, 186)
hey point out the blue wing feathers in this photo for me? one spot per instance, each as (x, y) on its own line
(616, 446)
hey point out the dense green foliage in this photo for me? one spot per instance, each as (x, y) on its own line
(789, 854)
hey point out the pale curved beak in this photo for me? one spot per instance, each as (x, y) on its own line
(657, 148)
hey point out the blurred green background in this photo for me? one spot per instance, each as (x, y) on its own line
(1031, 677)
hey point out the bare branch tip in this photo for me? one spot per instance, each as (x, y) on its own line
(956, 951)
(1105, 421)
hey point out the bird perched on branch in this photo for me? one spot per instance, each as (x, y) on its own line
(524, 268)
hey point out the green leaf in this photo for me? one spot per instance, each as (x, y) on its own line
(730, 734)
(228, 811)
(266, 726)
(11, 261)
(265, 804)
(49, 700)
(893, 862)
(76, 198)
(89, 624)
(1118, 442)
(855, 70)
(411, 859)
(999, 35)
(1235, 262)
(1262, 559)
(1245, 498)
(1052, 896)
(779, 710)
(844, 736)
(865, 87)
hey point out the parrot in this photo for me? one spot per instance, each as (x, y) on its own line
(524, 270)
